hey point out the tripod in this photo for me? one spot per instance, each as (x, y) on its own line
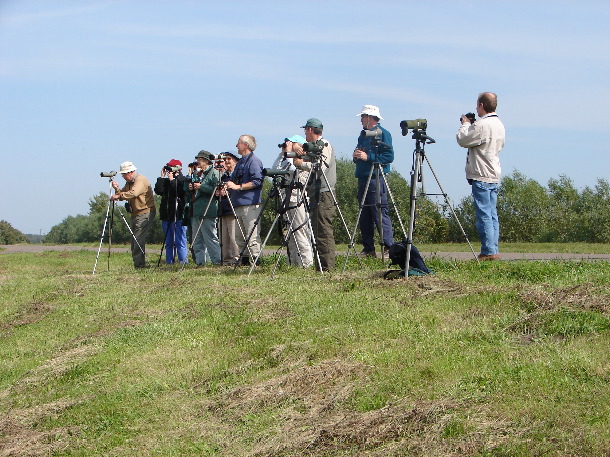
(287, 206)
(380, 177)
(421, 139)
(316, 176)
(273, 194)
(209, 247)
(108, 222)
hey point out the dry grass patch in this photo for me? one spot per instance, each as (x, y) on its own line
(310, 416)
(19, 435)
(583, 296)
(56, 366)
(26, 315)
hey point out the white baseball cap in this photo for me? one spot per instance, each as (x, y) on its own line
(127, 167)
(371, 110)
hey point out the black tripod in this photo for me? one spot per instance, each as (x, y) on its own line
(222, 187)
(315, 179)
(417, 176)
(284, 206)
(109, 220)
(272, 195)
(216, 194)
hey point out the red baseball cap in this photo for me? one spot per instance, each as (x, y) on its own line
(174, 163)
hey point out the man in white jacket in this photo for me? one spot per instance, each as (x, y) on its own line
(484, 139)
(295, 215)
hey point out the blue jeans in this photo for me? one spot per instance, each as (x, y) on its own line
(369, 217)
(485, 196)
(175, 238)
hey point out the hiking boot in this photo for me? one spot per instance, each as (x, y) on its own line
(364, 253)
(489, 257)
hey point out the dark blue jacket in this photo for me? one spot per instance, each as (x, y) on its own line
(382, 153)
(248, 169)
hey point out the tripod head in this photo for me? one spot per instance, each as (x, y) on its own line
(418, 126)
(421, 137)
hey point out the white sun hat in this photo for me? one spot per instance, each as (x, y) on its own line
(371, 110)
(127, 167)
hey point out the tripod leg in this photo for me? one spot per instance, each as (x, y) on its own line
(254, 227)
(451, 208)
(360, 207)
(297, 236)
(382, 210)
(412, 210)
(302, 215)
(253, 263)
(135, 239)
(166, 232)
(102, 237)
(350, 245)
(274, 192)
(394, 206)
(110, 234)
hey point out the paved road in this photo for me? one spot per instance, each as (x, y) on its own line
(11, 248)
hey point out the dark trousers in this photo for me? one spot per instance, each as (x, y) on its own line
(140, 225)
(322, 215)
(369, 217)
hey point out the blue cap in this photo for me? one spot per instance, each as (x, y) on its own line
(296, 139)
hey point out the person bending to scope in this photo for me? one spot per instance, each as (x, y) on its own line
(138, 193)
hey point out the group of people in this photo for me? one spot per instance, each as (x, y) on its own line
(219, 200)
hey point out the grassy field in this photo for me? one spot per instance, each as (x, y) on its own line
(575, 248)
(501, 359)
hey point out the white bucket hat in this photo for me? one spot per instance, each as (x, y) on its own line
(127, 167)
(371, 110)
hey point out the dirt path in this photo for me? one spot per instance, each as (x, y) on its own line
(20, 248)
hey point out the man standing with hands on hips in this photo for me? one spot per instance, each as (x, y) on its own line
(139, 194)
(484, 139)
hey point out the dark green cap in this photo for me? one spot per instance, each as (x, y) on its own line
(203, 154)
(314, 123)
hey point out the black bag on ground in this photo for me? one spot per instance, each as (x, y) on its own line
(398, 256)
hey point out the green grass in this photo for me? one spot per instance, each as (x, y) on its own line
(497, 359)
(575, 248)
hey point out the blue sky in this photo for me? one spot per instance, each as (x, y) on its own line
(86, 85)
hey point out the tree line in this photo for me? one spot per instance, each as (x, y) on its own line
(528, 212)
(10, 235)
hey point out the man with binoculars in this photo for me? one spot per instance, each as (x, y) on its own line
(319, 190)
(171, 188)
